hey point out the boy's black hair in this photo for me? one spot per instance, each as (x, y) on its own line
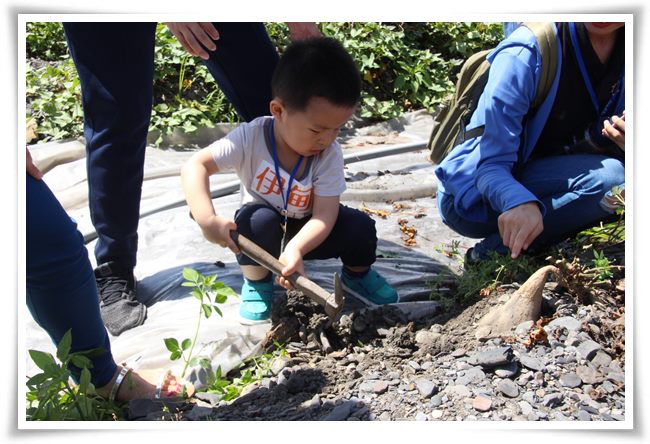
(316, 67)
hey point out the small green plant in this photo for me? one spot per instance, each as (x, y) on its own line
(483, 278)
(52, 397)
(602, 267)
(209, 292)
(251, 371)
(451, 250)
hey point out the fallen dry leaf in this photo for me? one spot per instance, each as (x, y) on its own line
(381, 213)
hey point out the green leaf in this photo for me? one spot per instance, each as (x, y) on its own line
(187, 343)
(175, 355)
(190, 274)
(63, 349)
(43, 360)
(217, 310)
(171, 344)
(207, 310)
(81, 361)
(84, 380)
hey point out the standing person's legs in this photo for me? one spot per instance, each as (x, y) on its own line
(243, 66)
(61, 289)
(115, 66)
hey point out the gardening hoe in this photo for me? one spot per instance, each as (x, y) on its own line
(332, 302)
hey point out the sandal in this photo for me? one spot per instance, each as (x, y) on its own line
(167, 387)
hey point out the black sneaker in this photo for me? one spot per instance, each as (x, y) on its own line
(118, 305)
(471, 258)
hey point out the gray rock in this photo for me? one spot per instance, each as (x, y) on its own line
(616, 377)
(470, 376)
(421, 417)
(197, 413)
(459, 352)
(458, 391)
(523, 328)
(589, 375)
(278, 365)
(526, 408)
(414, 365)
(588, 349)
(601, 359)
(492, 357)
(507, 371)
(340, 412)
(608, 387)
(212, 398)
(570, 380)
(583, 415)
(559, 416)
(568, 322)
(531, 362)
(426, 387)
(529, 397)
(553, 399)
(508, 388)
(436, 401)
(424, 337)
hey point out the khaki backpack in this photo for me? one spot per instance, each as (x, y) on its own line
(456, 111)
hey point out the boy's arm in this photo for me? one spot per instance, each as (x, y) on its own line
(312, 234)
(195, 177)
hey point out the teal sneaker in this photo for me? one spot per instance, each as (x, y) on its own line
(256, 299)
(372, 288)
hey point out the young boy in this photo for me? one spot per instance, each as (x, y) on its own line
(291, 172)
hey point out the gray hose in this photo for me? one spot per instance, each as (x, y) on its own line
(233, 186)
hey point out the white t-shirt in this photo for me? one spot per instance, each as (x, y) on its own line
(247, 151)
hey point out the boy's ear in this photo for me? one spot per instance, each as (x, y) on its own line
(277, 108)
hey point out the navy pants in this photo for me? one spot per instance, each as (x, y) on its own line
(571, 188)
(115, 63)
(353, 238)
(61, 288)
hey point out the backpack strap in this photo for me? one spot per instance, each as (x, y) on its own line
(547, 41)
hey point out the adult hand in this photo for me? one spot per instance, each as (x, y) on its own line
(31, 168)
(303, 30)
(217, 230)
(195, 37)
(292, 260)
(519, 226)
(616, 130)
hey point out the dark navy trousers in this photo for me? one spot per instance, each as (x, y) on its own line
(115, 63)
(61, 288)
(353, 238)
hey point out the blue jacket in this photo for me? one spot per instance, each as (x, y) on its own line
(478, 172)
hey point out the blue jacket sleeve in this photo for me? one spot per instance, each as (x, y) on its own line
(508, 95)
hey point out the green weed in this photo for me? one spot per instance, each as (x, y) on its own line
(52, 397)
(209, 292)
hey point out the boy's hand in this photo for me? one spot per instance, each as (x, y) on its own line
(292, 259)
(195, 37)
(615, 130)
(217, 230)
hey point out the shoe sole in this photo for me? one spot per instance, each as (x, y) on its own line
(365, 300)
(244, 321)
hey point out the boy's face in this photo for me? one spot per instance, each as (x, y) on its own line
(310, 131)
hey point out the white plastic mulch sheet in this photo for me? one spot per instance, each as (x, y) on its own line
(169, 241)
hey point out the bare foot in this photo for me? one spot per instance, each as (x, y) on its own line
(143, 385)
